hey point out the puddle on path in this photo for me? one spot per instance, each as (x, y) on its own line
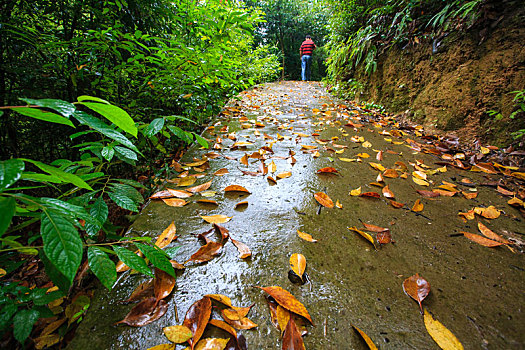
(477, 292)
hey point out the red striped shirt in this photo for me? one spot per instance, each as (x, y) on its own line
(307, 47)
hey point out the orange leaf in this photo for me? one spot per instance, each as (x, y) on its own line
(387, 193)
(396, 205)
(490, 213)
(323, 199)
(469, 195)
(235, 188)
(243, 249)
(384, 237)
(418, 206)
(284, 175)
(366, 338)
(327, 170)
(492, 235)
(373, 228)
(370, 195)
(174, 202)
(298, 264)
(288, 301)
(391, 173)
(481, 240)
(417, 288)
(221, 172)
(168, 235)
(244, 159)
(206, 252)
(207, 201)
(306, 236)
(197, 318)
(292, 338)
(505, 192)
(199, 188)
(179, 193)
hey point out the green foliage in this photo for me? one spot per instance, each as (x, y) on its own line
(518, 110)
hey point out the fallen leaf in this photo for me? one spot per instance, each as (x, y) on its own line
(216, 219)
(387, 193)
(428, 194)
(241, 204)
(206, 252)
(420, 181)
(481, 240)
(469, 195)
(221, 298)
(207, 201)
(490, 213)
(417, 288)
(163, 284)
(161, 194)
(370, 195)
(174, 202)
(384, 237)
(366, 338)
(366, 144)
(179, 193)
(244, 159)
(363, 234)
(197, 318)
(244, 251)
(186, 181)
(505, 192)
(298, 264)
(355, 192)
(292, 339)
(167, 236)
(441, 335)
(391, 173)
(287, 300)
(338, 204)
(329, 170)
(377, 166)
(221, 172)
(243, 323)
(284, 175)
(373, 228)
(236, 188)
(177, 334)
(379, 156)
(212, 344)
(363, 155)
(492, 235)
(323, 199)
(199, 188)
(516, 202)
(397, 205)
(145, 312)
(418, 206)
(224, 326)
(306, 236)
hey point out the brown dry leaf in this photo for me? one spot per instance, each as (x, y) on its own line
(388, 193)
(176, 265)
(174, 202)
(505, 192)
(328, 170)
(306, 236)
(177, 334)
(481, 240)
(216, 219)
(428, 194)
(391, 173)
(288, 301)
(271, 179)
(221, 172)
(490, 234)
(384, 237)
(163, 347)
(469, 195)
(145, 312)
(206, 252)
(366, 338)
(167, 236)
(284, 175)
(244, 251)
(207, 201)
(298, 264)
(161, 194)
(244, 159)
(197, 318)
(377, 166)
(441, 335)
(418, 206)
(241, 204)
(199, 188)
(365, 235)
(187, 181)
(373, 228)
(292, 339)
(355, 192)
(179, 193)
(417, 288)
(489, 213)
(163, 284)
(370, 195)
(236, 188)
(243, 323)
(323, 199)
(397, 205)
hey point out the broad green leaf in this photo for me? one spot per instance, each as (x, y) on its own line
(114, 114)
(181, 134)
(179, 117)
(84, 98)
(128, 191)
(131, 183)
(91, 176)
(6, 313)
(99, 211)
(202, 141)
(40, 177)
(103, 128)
(132, 260)
(7, 210)
(62, 175)
(68, 209)
(41, 297)
(81, 133)
(102, 267)
(52, 272)
(126, 153)
(10, 172)
(123, 201)
(43, 115)
(108, 152)
(23, 322)
(157, 257)
(62, 107)
(154, 127)
(62, 243)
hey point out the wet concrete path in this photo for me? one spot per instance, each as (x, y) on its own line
(476, 292)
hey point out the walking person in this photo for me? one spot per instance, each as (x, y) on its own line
(306, 51)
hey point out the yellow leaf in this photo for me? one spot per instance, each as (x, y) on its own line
(377, 166)
(306, 236)
(212, 344)
(367, 144)
(418, 206)
(420, 181)
(366, 338)
(484, 150)
(272, 168)
(348, 160)
(363, 155)
(338, 204)
(298, 264)
(187, 181)
(419, 175)
(167, 236)
(177, 334)
(216, 219)
(174, 202)
(284, 175)
(242, 144)
(356, 192)
(363, 234)
(441, 335)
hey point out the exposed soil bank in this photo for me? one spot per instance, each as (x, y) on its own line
(452, 89)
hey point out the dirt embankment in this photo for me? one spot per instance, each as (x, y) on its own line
(452, 89)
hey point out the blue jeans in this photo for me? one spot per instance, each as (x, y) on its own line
(306, 65)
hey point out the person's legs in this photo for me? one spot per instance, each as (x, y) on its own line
(303, 67)
(308, 67)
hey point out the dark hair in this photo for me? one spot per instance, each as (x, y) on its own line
(308, 37)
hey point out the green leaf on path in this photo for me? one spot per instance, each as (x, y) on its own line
(7, 210)
(10, 171)
(36, 113)
(114, 114)
(62, 243)
(157, 257)
(132, 260)
(102, 266)
(23, 323)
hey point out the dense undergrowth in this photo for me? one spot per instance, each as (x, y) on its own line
(144, 77)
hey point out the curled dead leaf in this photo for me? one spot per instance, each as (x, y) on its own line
(306, 236)
(145, 312)
(417, 288)
(287, 300)
(323, 199)
(298, 264)
(236, 188)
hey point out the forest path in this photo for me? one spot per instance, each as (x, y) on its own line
(476, 292)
